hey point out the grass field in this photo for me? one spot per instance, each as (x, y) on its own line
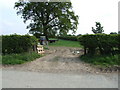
(66, 43)
(19, 58)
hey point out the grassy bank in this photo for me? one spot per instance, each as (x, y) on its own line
(66, 43)
(19, 58)
(103, 61)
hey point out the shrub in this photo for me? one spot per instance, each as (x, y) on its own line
(89, 42)
(17, 43)
(103, 43)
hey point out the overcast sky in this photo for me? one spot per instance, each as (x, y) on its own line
(89, 12)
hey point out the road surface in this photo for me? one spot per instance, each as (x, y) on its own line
(26, 79)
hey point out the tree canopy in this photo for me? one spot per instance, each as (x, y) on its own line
(48, 18)
(113, 33)
(99, 28)
(118, 32)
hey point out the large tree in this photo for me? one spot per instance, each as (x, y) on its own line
(48, 18)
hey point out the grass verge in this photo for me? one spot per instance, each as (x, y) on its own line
(104, 61)
(66, 43)
(19, 58)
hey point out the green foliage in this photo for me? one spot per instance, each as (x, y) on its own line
(71, 38)
(106, 60)
(118, 42)
(118, 32)
(48, 18)
(100, 43)
(99, 28)
(45, 47)
(113, 33)
(0, 49)
(17, 43)
(19, 58)
(65, 43)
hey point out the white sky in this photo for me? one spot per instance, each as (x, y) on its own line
(89, 12)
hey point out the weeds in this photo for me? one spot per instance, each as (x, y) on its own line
(107, 60)
(19, 58)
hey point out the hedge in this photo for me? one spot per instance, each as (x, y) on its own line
(72, 38)
(17, 43)
(100, 43)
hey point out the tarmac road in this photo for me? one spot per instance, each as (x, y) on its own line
(26, 79)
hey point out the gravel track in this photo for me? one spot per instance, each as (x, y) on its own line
(58, 59)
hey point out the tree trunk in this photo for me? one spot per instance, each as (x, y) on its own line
(101, 50)
(85, 52)
(45, 33)
(35, 48)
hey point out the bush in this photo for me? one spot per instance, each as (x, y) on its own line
(17, 43)
(103, 43)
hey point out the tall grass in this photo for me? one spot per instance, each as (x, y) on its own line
(107, 60)
(19, 58)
